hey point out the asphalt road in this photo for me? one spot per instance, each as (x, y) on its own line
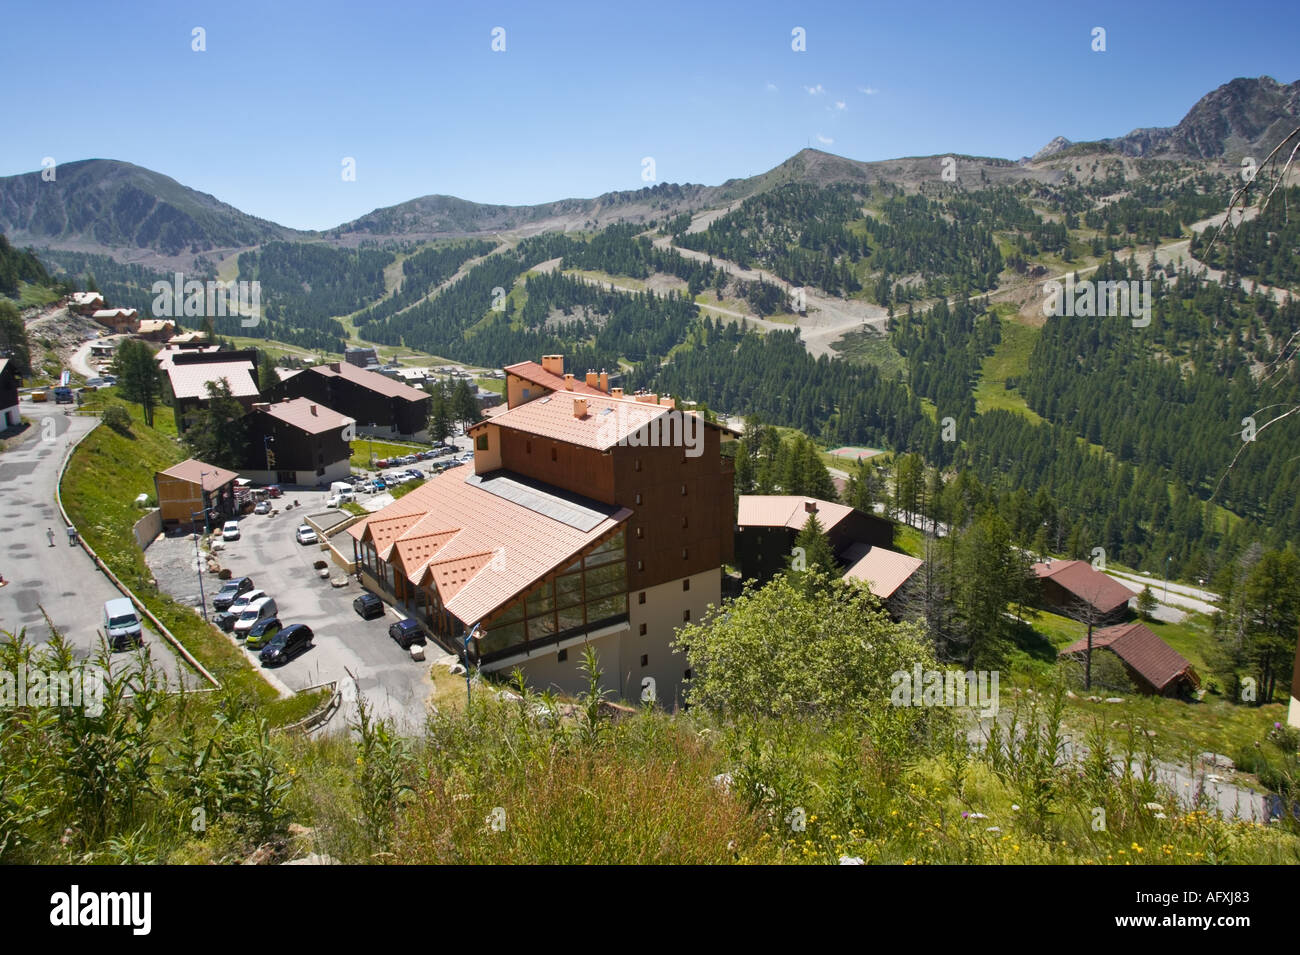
(268, 552)
(61, 579)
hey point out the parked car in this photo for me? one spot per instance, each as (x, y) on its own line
(334, 501)
(306, 535)
(122, 624)
(379, 485)
(263, 507)
(274, 490)
(287, 644)
(255, 611)
(262, 632)
(230, 531)
(226, 621)
(63, 396)
(382, 463)
(231, 590)
(407, 632)
(368, 605)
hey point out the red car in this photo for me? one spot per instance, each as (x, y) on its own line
(274, 490)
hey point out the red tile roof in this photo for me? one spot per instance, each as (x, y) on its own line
(191, 381)
(787, 510)
(883, 570)
(606, 423)
(1156, 661)
(1080, 579)
(380, 384)
(531, 371)
(190, 470)
(479, 549)
(306, 415)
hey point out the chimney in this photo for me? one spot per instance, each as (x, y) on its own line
(648, 399)
(553, 363)
(334, 366)
(604, 382)
(568, 382)
(668, 402)
(261, 405)
(593, 380)
(616, 392)
(810, 507)
(313, 411)
(580, 407)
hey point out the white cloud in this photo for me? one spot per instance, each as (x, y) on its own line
(817, 90)
(771, 87)
(839, 105)
(825, 140)
(868, 90)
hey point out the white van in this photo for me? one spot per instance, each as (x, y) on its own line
(253, 612)
(122, 624)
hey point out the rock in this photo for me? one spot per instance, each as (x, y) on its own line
(316, 858)
(1114, 699)
(851, 860)
(1217, 760)
(457, 669)
(505, 696)
(417, 651)
(262, 855)
(1094, 699)
(338, 581)
(1069, 695)
(723, 781)
(1153, 807)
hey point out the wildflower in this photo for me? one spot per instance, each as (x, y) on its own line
(1015, 808)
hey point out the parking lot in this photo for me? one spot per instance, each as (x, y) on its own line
(268, 551)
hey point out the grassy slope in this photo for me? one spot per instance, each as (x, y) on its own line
(99, 487)
(1010, 359)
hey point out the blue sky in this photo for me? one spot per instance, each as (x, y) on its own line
(264, 116)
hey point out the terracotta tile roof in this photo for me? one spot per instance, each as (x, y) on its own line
(883, 570)
(190, 381)
(189, 470)
(1080, 579)
(495, 410)
(450, 531)
(111, 313)
(606, 423)
(531, 371)
(153, 325)
(380, 384)
(1156, 661)
(307, 415)
(787, 510)
(164, 356)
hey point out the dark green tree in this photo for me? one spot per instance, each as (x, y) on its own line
(13, 339)
(218, 434)
(138, 377)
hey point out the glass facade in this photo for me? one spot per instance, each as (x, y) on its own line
(587, 593)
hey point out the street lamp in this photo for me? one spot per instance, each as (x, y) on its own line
(203, 499)
(465, 648)
(371, 438)
(198, 558)
(1167, 556)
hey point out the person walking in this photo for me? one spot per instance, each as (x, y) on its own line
(49, 532)
(72, 536)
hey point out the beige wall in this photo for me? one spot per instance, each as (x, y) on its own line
(620, 653)
(490, 459)
(515, 390)
(148, 527)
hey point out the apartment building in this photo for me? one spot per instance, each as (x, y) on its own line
(588, 518)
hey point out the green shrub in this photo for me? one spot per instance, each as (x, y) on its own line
(117, 418)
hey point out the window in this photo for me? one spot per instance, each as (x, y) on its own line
(555, 454)
(636, 465)
(640, 598)
(640, 565)
(645, 659)
(481, 442)
(683, 490)
(685, 522)
(562, 656)
(642, 631)
(686, 553)
(638, 497)
(686, 616)
(640, 533)
(686, 584)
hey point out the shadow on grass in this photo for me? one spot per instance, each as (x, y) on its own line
(1033, 644)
